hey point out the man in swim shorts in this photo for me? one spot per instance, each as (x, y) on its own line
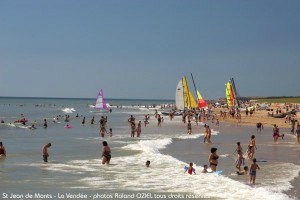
(253, 169)
(45, 153)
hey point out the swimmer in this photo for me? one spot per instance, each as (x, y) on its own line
(148, 163)
(2, 150)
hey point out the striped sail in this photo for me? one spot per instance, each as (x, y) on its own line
(229, 94)
(100, 103)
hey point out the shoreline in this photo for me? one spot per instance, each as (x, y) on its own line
(286, 151)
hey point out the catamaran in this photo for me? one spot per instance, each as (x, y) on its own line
(233, 99)
(183, 97)
(100, 103)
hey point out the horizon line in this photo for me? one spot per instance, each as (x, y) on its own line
(88, 98)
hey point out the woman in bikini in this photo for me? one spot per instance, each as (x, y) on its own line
(213, 159)
(251, 147)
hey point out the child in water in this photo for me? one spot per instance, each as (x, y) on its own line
(244, 172)
(204, 169)
(148, 163)
(110, 132)
(253, 169)
(190, 169)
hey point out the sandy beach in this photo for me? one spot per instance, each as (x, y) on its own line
(258, 116)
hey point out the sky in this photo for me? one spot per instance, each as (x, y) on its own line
(141, 48)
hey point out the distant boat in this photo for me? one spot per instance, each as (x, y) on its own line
(100, 103)
(183, 97)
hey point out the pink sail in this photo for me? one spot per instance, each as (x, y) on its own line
(100, 103)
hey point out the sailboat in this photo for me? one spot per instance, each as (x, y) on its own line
(100, 103)
(201, 102)
(232, 96)
(183, 97)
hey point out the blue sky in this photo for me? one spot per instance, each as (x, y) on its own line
(141, 49)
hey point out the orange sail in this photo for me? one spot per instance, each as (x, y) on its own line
(201, 102)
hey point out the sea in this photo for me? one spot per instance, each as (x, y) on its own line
(74, 170)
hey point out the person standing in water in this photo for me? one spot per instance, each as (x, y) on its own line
(83, 121)
(45, 152)
(259, 126)
(139, 129)
(251, 147)
(276, 134)
(106, 153)
(213, 159)
(93, 120)
(2, 150)
(253, 169)
(45, 123)
(189, 128)
(240, 159)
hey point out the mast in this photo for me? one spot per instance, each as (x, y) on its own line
(195, 87)
(236, 96)
(184, 103)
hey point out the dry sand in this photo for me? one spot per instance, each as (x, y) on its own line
(258, 116)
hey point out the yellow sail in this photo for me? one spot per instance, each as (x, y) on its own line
(189, 101)
(229, 94)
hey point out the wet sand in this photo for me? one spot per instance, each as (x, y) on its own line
(286, 151)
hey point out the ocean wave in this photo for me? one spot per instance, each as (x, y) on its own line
(68, 110)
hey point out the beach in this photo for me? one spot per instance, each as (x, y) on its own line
(74, 169)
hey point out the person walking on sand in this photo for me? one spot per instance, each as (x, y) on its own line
(106, 153)
(213, 159)
(45, 152)
(251, 147)
(252, 173)
(2, 150)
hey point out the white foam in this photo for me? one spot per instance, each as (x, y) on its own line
(68, 110)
